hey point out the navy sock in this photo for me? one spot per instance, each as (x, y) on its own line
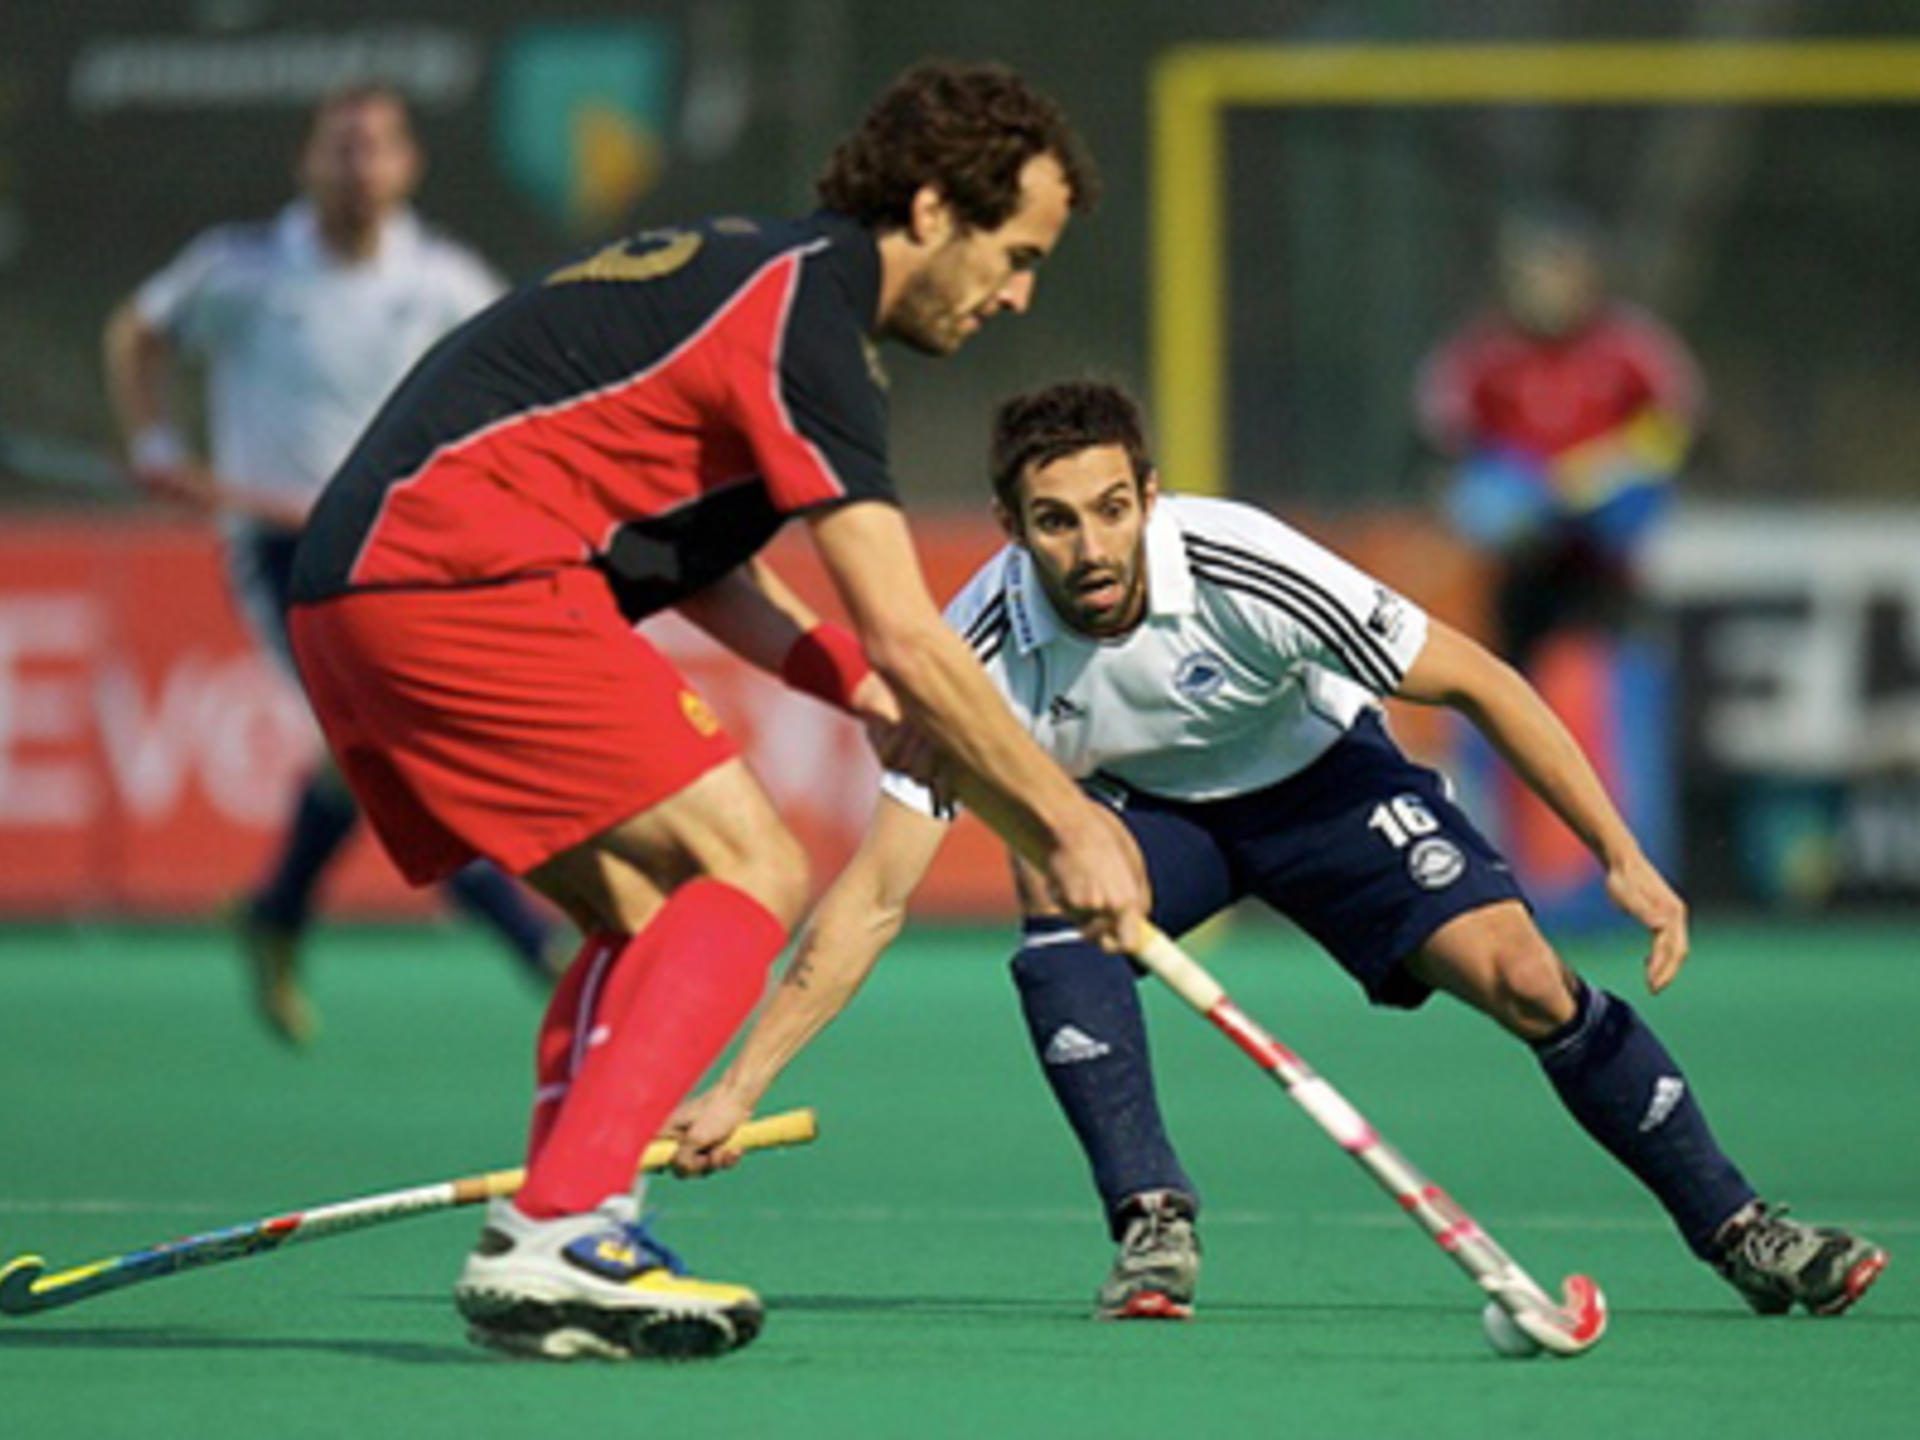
(481, 890)
(1082, 1007)
(323, 818)
(1624, 1088)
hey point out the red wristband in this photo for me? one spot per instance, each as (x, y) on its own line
(827, 662)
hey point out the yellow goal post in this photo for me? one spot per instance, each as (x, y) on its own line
(1193, 88)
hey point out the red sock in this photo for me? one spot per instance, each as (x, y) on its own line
(679, 990)
(564, 1030)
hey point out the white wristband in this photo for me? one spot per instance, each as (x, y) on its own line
(157, 447)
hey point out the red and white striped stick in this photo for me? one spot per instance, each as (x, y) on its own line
(1570, 1326)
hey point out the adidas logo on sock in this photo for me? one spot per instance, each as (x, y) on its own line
(1668, 1091)
(1071, 1045)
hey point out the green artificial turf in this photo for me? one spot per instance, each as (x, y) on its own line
(928, 1264)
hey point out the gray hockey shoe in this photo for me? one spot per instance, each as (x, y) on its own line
(1776, 1263)
(1158, 1267)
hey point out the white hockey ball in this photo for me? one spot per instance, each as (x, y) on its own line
(1504, 1336)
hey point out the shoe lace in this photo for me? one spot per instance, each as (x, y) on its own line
(639, 1234)
(1151, 1229)
(1766, 1241)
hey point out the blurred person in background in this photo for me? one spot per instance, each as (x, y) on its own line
(304, 322)
(1567, 415)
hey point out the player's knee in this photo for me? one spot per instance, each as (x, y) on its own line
(776, 872)
(1533, 993)
(624, 909)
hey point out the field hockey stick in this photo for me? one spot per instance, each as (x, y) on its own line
(25, 1288)
(1570, 1326)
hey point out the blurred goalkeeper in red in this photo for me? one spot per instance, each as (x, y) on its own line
(1569, 415)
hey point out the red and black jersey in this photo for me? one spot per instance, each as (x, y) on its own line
(657, 410)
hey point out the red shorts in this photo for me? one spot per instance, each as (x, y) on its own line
(511, 721)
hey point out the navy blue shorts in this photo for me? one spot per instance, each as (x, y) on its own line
(1363, 850)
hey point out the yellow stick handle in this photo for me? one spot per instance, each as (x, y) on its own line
(788, 1127)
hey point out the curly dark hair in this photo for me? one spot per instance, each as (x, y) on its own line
(966, 129)
(1042, 426)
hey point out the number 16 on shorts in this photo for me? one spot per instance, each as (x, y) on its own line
(1406, 823)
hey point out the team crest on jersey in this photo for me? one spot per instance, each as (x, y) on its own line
(1200, 675)
(1435, 864)
(699, 714)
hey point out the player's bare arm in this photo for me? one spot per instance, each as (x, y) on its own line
(1014, 787)
(1454, 671)
(753, 612)
(859, 916)
(138, 362)
(139, 365)
(758, 616)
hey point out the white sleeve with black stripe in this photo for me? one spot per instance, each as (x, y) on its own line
(979, 614)
(1309, 604)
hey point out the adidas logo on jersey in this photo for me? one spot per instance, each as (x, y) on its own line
(1071, 1045)
(1668, 1091)
(1389, 615)
(1060, 710)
